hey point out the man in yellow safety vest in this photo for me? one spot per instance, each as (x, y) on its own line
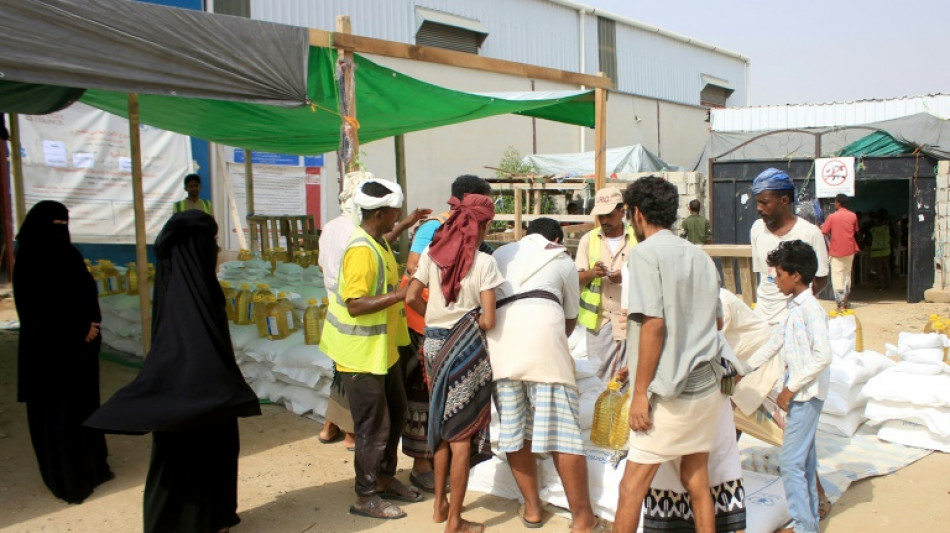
(601, 257)
(364, 328)
(193, 188)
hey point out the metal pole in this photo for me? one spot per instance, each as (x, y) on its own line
(138, 200)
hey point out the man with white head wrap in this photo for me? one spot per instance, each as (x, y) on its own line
(364, 327)
(333, 240)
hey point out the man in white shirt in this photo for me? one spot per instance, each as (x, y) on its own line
(774, 194)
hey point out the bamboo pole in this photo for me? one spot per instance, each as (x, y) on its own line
(138, 200)
(600, 137)
(400, 142)
(6, 207)
(348, 97)
(16, 158)
(249, 194)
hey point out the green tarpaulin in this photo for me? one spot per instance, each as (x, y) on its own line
(388, 103)
(876, 144)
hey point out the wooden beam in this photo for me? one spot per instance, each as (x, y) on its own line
(600, 138)
(249, 194)
(16, 158)
(6, 207)
(138, 201)
(727, 250)
(348, 98)
(367, 45)
(400, 145)
(519, 211)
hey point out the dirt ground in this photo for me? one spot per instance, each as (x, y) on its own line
(289, 482)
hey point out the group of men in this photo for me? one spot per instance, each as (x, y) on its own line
(648, 300)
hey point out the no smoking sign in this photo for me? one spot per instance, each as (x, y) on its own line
(834, 176)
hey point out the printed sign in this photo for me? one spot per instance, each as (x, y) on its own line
(834, 176)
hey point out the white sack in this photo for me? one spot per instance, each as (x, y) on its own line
(936, 420)
(912, 434)
(926, 391)
(845, 425)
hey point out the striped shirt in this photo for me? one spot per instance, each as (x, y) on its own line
(803, 342)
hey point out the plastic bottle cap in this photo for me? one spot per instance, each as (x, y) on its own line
(312, 301)
(939, 325)
(263, 286)
(832, 314)
(281, 294)
(613, 385)
(226, 284)
(245, 286)
(934, 317)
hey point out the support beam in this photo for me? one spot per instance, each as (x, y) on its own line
(400, 142)
(138, 201)
(600, 138)
(348, 98)
(6, 207)
(367, 45)
(249, 195)
(16, 158)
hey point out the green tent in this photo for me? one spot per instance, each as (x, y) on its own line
(878, 143)
(388, 103)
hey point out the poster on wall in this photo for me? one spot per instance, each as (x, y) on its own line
(834, 176)
(81, 156)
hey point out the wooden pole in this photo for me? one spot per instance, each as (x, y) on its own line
(138, 200)
(400, 142)
(519, 208)
(6, 207)
(249, 194)
(16, 158)
(348, 98)
(600, 137)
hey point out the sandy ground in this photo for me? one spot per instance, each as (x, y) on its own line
(289, 482)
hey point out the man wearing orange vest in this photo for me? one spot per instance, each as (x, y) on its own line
(417, 392)
(601, 258)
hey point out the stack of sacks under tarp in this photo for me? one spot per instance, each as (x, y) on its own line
(121, 325)
(238, 272)
(911, 400)
(284, 371)
(843, 412)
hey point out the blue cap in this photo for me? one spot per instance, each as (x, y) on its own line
(772, 179)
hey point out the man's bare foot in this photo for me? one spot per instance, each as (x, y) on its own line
(464, 526)
(441, 511)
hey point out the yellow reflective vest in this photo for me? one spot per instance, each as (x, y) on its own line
(183, 206)
(589, 311)
(362, 342)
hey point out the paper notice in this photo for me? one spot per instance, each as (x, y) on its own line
(744, 199)
(125, 164)
(54, 153)
(83, 160)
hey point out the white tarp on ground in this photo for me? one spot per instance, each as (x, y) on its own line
(622, 160)
(81, 156)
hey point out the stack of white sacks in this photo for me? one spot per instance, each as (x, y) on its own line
(843, 412)
(911, 400)
(283, 371)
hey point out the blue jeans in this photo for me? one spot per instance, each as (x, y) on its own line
(799, 462)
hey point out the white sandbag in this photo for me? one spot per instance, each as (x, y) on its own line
(845, 425)
(926, 391)
(494, 477)
(842, 400)
(254, 371)
(298, 377)
(123, 344)
(242, 335)
(288, 269)
(268, 390)
(305, 356)
(586, 369)
(923, 355)
(577, 342)
(603, 482)
(115, 325)
(301, 400)
(922, 369)
(856, 368)
(306, 292)
(842, 328)
(841, 347)
(937, 420)
(267, 350)
(912, 434)
(912, 341)
(766, 508)
(585, 403)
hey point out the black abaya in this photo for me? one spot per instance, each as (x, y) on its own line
(58, 371)
(190, 390)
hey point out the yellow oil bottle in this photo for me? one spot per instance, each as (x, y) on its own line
(244, 306)
(151, 274)
(244, 255)
(858, 330)
(230, 295)
(604, 413)
(288, 309)
(620, 425)
(100, 280)
(131, 279)
(276, 320)
(260, 315)
(88, 265)
(312, 323)
(263, 289)
(929, 326)
(114, 282)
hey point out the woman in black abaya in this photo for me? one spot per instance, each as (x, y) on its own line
(58, 359)
(190, 391)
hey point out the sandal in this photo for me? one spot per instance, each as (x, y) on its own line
(377, 507)
(528, 523)
(395, 490)
(336, 437)
(425, 481)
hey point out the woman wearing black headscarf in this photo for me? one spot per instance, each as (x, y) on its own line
(190, 391)
(58, 359)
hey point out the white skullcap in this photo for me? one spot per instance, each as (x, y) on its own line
(393, 199)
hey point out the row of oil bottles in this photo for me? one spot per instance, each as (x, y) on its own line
(110, 281)
(939, 324)
(273, 315)
(304, 258)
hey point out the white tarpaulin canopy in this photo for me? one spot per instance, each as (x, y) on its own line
(625, 159)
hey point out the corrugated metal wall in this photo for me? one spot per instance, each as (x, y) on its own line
(779, 117)
(537, 32)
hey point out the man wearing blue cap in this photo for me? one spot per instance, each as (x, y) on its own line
(775, 199)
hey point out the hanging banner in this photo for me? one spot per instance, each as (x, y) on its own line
(81, 156)
(834, 176)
